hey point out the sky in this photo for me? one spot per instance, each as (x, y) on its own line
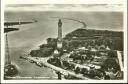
(64, 7)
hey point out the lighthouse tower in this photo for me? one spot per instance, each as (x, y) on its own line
(59, 41)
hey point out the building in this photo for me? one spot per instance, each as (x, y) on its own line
(59, 41)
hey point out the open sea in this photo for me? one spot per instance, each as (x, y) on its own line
(30, 36)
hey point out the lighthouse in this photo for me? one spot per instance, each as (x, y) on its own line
(59, 40)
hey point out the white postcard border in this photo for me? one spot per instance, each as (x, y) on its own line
(65, 81)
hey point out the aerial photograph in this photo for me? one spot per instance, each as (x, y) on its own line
(63, 42)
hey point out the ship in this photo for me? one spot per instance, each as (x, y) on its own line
(11, 70)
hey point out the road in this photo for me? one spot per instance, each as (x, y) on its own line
(120, 60)
(62, 71)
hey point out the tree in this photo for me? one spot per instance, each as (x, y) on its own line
(110, 63)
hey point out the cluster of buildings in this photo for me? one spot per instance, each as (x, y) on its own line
(88, 52)
(90, 63)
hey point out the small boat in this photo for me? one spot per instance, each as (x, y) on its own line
(10, 70)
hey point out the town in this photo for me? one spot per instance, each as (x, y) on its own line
(82, 54)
